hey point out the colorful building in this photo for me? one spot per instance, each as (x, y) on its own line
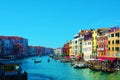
(71, 53)
(33, 50)
(75, 46)
(114, 42)
(49, 51)
(87, 45)
(66, 49)
(14, 45)
(42, 50)
(6, 46)
(102, 39)
(58, 51)
(82, 34)
(94, 43)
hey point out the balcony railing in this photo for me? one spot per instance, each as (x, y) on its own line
(102, 49)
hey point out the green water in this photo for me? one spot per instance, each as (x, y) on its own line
(62, 71)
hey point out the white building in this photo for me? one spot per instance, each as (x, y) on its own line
(58, 51)
(87, 45)
(87, 49)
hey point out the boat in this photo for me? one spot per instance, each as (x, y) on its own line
(73, 63)
(108, 67)
(95, 65)
(48, 60)
(35, 61)
(12, 70)
(81, 65)
(66, 60)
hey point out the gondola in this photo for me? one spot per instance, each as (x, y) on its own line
(48, 60)
(37, 61)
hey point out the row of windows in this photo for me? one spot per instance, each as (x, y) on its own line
(102, 46)
(116, 34)
(71, 42)
(102, 38)
(114, 48)
(108, 54)
(89, 43)
(113, 42)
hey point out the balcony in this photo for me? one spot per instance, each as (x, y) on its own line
(102, 49)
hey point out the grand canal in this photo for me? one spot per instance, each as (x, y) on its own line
(54, 70)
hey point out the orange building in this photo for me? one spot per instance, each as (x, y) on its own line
(114, 42)
(66, 49)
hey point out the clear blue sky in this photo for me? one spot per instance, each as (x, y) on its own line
(51, 23)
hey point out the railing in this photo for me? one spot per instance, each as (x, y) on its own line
(102, 49)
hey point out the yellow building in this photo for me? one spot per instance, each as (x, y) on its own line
(71, 49)
(75, 46)
(94, 43)
(114, 43)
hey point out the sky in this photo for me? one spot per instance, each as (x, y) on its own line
(51, 23)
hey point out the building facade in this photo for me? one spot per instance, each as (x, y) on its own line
(6, 46)
(114, 42)
(87, 45)
(14, 45)
(94, 43)
(66, 49)
(58, 51)
(102, 39)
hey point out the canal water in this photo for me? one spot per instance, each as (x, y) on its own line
(61, 71)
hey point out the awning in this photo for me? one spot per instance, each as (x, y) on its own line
(67, 57)
(106, 58)
(72, 55)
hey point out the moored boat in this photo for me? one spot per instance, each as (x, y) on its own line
(81, 65)
(108, 66)
(95, 65)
